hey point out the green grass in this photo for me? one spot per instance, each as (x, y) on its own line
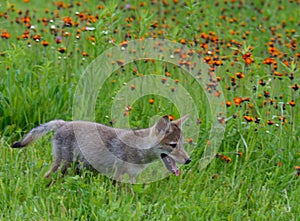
(38, 84)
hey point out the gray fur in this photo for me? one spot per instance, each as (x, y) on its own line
(110, 150)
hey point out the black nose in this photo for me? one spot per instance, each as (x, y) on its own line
(187, 161)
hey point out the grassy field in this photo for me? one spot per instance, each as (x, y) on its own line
(252, 49)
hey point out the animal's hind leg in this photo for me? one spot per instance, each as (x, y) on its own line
(57, 159)
(53, 168)
(67, 158)
(65, 166)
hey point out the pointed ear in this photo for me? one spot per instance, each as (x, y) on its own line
(163, 125)
(180, 121)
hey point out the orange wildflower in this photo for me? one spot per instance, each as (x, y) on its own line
(171, 117)
(120, 62)
(68, 21)
(45, 43)
(204, 46)
(132, 87)
(5, 34)
(155, 24)
(228, 103)
(45, 21)
(233, 80)
(207, 59)
(240, 153)
(295, 87)
(190, 140)
(221, 120)
(217, 94)
(262, 82)
(168, 74)
(279, 164)
(282, 119)
(237, 101)
(248, 61)
(292, 103)
(286, 63)
(277, 74)
(92, 19)
(297, 168)
(218, 63)
(163, 80)
(151, 101)
(62, 50)
(84, 54)
(224, 158)
(266, 94)
(247, 57)
(240, 75)
(128, 108)
(100, 7)
(177, 51)
(269, 61)
(183, 41)
(60, 5)
(37, 37)
(26, 19)
(257, 120)
(248, 118)
(191, 52)
(126, 113)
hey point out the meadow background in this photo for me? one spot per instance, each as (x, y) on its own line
(251, 46)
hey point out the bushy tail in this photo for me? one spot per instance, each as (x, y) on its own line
(38, 132)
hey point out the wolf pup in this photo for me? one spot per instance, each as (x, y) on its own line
(112, 151)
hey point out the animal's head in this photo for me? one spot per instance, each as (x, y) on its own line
(171, 143)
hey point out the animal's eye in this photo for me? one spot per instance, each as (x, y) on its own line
(173, 145)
